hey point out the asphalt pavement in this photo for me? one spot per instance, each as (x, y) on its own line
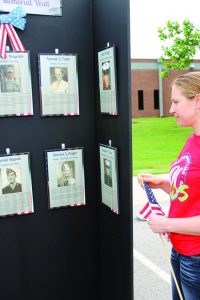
(151, 263)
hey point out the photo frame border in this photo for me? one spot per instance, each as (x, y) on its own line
(7, 62)
(115, 177)
(114, 75)
(29, 188)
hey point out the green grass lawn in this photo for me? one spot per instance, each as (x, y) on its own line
(156, 142)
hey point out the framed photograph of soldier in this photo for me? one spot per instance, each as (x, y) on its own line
(15, 85)
(109, 177)
(65, 177)
(59, 91)
(107, 81)
(16, 195)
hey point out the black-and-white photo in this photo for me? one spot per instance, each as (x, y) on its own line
(108, 172)
(65, 177)
(65, 173)
(12, 179)
(59, 80)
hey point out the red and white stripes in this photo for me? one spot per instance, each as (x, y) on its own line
(8, 30)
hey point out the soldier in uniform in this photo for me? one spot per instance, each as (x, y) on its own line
(13, 186)
(59, 85)
(107, 173)
(9, 83)
(66, 179)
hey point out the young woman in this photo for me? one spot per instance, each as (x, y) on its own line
(183, 221)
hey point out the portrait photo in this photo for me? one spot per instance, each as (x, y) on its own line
(66, 173)
(59, 80)
(11, 180)
(10, 80)
(108, 172)
(106, 79)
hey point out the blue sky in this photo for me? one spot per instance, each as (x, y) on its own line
(147, 15)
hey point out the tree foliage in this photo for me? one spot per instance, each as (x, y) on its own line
(181, 44)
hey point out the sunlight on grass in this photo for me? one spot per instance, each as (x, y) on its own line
(156, 142)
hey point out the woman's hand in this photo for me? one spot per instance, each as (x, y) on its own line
(155, 181)
(158, 223)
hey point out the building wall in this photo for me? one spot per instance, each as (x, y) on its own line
(146, 81)
(145, 77)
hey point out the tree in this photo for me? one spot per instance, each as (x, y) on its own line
(182, 43)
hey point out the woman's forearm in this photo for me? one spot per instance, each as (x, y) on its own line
(189, 226)
(162, 224)
(166, 185)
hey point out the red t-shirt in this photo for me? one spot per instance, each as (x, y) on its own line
(185, 194)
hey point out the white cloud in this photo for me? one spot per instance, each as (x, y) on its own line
(147, 15)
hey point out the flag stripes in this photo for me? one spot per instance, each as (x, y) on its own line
(152, 206)
(3, 39)
(14, 39)
(8, 30)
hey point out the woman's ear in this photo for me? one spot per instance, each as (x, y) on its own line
(197, 102)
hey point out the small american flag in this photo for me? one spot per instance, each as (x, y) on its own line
(152, 206)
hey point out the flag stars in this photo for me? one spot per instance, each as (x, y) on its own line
(15, 18)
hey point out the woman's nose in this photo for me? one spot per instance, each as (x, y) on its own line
(171, 110)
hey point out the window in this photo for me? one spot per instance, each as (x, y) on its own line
(140, 100)
(156, 99)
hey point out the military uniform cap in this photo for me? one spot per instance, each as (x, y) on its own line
(8, 171)
(9, 69)
(107, 163)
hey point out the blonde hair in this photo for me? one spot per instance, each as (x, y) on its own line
(189, 83)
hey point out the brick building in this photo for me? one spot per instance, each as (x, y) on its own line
(150, 93)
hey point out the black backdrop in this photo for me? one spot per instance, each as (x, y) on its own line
(111, 24)
(82, 253)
